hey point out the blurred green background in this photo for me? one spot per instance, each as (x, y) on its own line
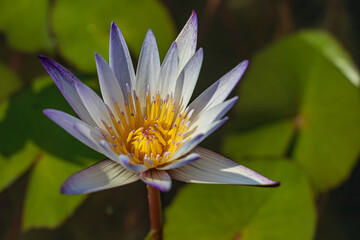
(297, 119)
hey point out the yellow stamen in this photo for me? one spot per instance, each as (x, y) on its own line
(150, 137)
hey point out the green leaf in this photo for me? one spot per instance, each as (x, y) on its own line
(32, 138)
(306, 78)
(9, 82)
(268, 140)
(25, 24)
(81, 31)
(240, 212)
(16, 164)
(44, 205)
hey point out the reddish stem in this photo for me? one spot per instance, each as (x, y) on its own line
(156, 229)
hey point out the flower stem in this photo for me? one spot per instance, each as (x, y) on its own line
(156, 229)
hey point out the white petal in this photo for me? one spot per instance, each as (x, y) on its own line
(106, 147)
(186, 147)
(178, 91)
(109, 85)
(218, 91)
(190, 76)
(120, 60)
(65, 81)
(214, 113)
(180, 162)
(68, 123)
(125, 161)
(94, 105)
(148, 67)
(102, 175)
(168, 72)
(187, 40)
(213, 168)
(158, 179)
(197, 137)
(206, 129)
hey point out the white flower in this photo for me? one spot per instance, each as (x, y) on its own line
(143, 124)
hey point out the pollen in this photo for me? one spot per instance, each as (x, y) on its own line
(149, 135)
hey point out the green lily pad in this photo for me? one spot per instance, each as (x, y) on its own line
(44, 205)
(266, 141)
(241, 212)
(306, 79)
(81, 31)
(9, 82)
(31, 138)
(25, 24)
(15, 165)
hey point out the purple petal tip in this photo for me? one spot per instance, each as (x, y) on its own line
(174, 44)
(41, 56)
(193, 14)
(98, 57)
(270, 184)
(66, 189)
(245, 63)
(45, 60)
(150, 32)
(114, 27)
(47, 112)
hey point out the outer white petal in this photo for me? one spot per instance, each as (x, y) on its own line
(214, 113)
(102, 175)
(109, 85)
(178, 90)
(65, 81)
(94, 105)
(213, 168)
(125, 161)
(197, 137)
(106, 146)
(180, 162)
(68, 123)
(148, 68)
(187, 147)
(168, 72)
(187, 40)
(120, 60)
(190, 76)
(158, 179)
(219, 90)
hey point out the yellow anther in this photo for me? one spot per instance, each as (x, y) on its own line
(148, 134)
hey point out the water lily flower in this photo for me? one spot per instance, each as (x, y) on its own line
(144, 124)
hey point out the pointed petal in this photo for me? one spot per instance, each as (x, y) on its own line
(218, 91)
(102, 175)
(94, 105)
(148, 67)
(168, 72)
(187, 40)
(186, 147)
(180, 162)
(158, 179)
(95, 137)
(68, 123)
(191, 73)
(198, 135)
(106, 147)
(213, 168)
(214, 113)
(125, 161)
(109, 86)
(120, 60)
(65, 81)
(178, 91)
